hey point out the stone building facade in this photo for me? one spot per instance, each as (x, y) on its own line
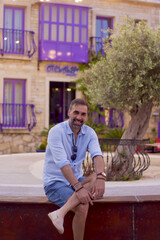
(42, 44)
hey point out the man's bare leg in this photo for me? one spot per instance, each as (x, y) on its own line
(80, 210)
(79, 220)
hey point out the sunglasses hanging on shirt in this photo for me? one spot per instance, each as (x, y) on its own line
(74, 149)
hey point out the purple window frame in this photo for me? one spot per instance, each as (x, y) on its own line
(74, 46)
(14, 32)
(13, 106)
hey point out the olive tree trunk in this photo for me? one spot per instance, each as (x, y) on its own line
(123, 159)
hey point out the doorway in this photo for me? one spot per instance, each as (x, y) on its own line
(61, 94)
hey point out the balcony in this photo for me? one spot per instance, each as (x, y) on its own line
(95, 46)
(20, 42)
(17, 116)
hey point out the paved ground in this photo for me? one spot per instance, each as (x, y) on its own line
(21, 175)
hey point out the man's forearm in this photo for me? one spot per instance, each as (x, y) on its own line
(99, 164)
(69, 175)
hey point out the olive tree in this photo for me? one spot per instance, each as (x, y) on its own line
(128, 77)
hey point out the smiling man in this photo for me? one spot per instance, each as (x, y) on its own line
(64, 182)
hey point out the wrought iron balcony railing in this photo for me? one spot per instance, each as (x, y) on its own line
(96, 45)
(17, 116)
(13, 41)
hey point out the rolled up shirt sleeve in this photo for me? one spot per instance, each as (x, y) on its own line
(57, 149)
(93, 146)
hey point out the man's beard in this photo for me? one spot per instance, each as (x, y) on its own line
(75, 126)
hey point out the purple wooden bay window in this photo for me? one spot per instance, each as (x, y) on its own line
(14, 112)
(63, 33)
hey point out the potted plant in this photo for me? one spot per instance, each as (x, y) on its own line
(44, 136)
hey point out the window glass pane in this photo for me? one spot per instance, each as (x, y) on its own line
(8, 18)
(18, 92)
(84, 35)
(84, 17)
(76, 34)
(105, 24)
(54, 14)
(76, 16)
(105, 27)
(46, 31)
(98, 28)
(18, 109)
(46, 13)
(61, 14)
(69, 33)
(61, 33)
(69, 15)
(8, 92)
(18, 19)
(53, 32)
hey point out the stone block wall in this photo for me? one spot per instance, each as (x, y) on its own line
(23, 142)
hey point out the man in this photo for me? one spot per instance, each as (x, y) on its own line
(64, 183)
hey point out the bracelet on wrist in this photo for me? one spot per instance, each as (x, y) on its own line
(76, 184)
(79, 189)
(102, 174)
(101, 178)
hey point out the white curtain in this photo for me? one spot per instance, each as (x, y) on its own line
(18, 110)
(8, 99)
(8, 18)
(18, 19)
(18, 26)
(8, 92)
(19, 92)
(8, 33)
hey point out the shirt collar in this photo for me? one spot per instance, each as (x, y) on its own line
(69, 130)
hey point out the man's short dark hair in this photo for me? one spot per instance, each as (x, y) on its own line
(78, 101)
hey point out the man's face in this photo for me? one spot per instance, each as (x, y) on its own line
(77, 116)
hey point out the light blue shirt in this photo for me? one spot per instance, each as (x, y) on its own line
(59, 151)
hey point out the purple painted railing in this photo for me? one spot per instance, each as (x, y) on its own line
(96, 45)
(115, 118)
(17, 116)
(14, 41)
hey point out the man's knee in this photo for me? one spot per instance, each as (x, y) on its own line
(82, 209)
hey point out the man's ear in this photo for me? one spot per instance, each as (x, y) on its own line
(69, 113)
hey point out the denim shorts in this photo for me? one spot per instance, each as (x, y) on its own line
(58, 192)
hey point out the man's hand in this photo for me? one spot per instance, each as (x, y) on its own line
(98, 189)
(84, 196)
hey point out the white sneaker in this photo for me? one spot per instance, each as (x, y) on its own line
(57, 221)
